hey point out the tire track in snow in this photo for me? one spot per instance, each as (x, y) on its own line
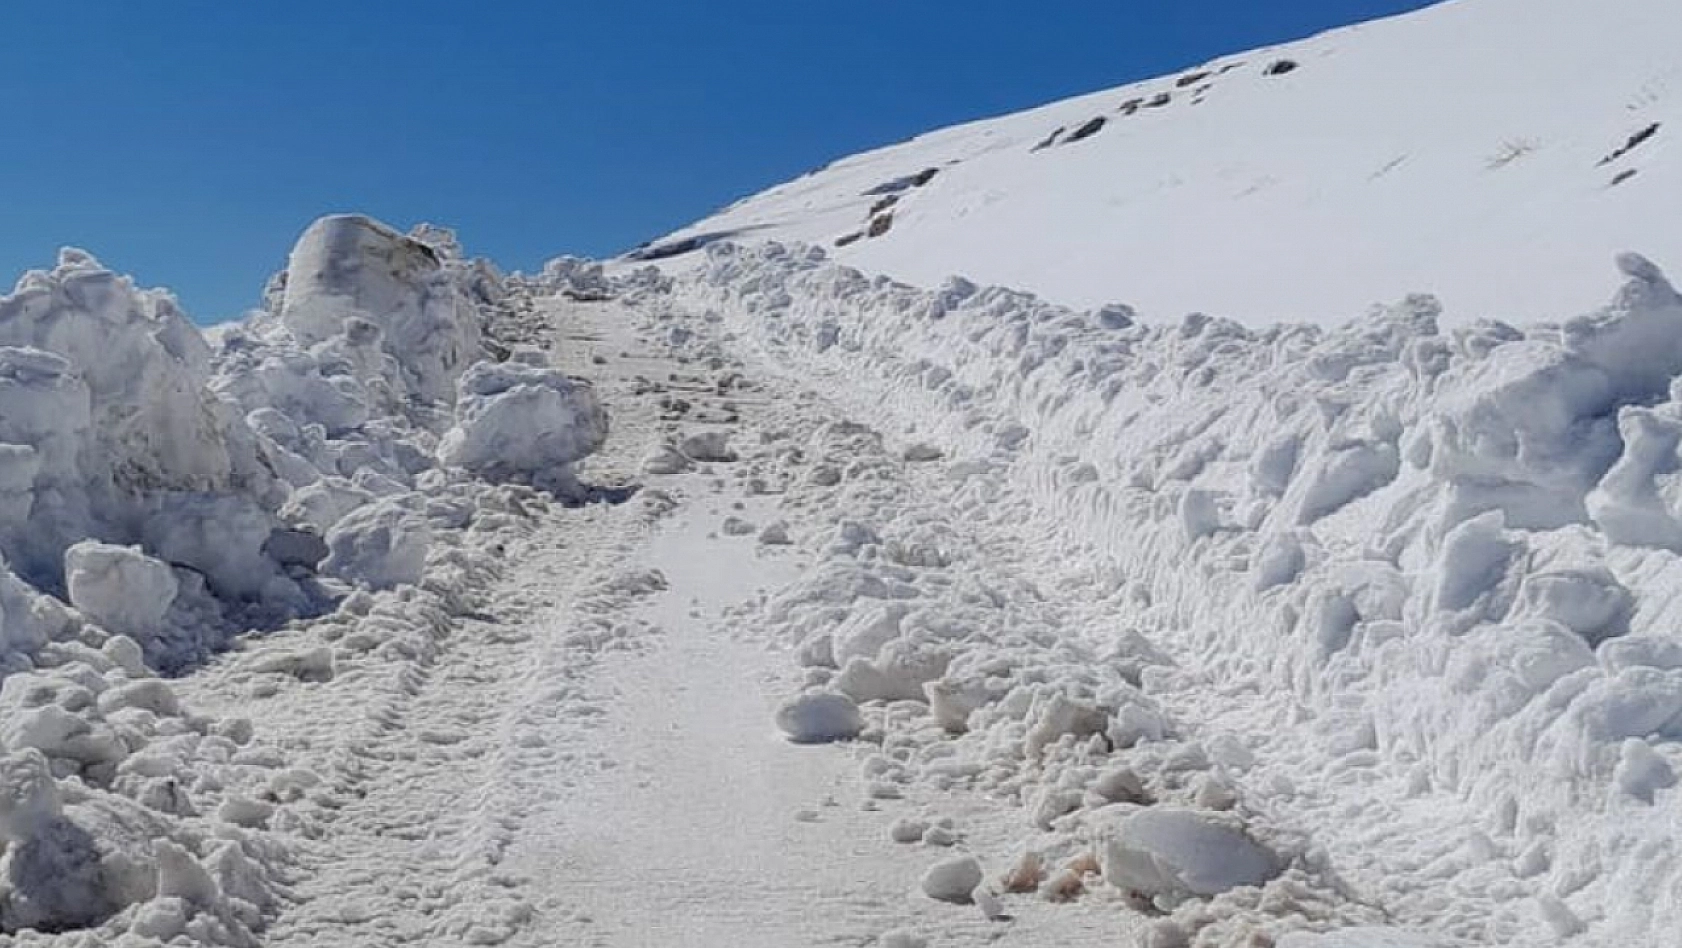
(411, 756)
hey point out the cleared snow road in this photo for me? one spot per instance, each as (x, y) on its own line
(691, 820)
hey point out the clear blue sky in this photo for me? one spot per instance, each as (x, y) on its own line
(188, 142)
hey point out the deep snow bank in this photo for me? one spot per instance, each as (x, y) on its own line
(1417, 582)
(163, 489)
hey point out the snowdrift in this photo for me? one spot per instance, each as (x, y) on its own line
(1418, 580)
(162, 489)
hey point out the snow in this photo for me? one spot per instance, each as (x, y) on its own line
(1169, 852)
(1465, 149)
(952, 879)
(119, 587)
(162, 491)
(516, 421)
(901, 613)
(1377, 552)
(819, 717)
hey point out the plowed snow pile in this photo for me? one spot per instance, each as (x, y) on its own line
(161, 491)
(1405, 590)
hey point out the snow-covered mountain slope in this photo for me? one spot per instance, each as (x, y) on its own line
(1493, 152)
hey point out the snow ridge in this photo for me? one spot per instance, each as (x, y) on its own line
(1395, 564)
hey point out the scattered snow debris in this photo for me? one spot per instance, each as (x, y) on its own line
(989, 903)
(900, 938)
(713, 446)
(313, 664)
(953, 880)
(942, 833)
(1362, 937)
(820, 718)
(907, 829)
(1169, 851)
(666, 459)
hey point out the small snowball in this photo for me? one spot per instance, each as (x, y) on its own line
(953, 880)
(819, 718)
(907, 829)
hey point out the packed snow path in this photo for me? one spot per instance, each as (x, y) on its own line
(693, 821)
(591, 759)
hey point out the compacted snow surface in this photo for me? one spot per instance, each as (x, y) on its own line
(763, 600)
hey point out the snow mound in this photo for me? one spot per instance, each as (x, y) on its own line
(1415, 582)
(162, 490)
(348, 268)
(523, 422)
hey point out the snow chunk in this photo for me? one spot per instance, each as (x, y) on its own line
(523, 422)
(347, 267)
(707, 446)
(29, 797)
(953, 880)
(819, 718)
(381, 545)
(1168, 851)
(119, 587)
(1641, 772)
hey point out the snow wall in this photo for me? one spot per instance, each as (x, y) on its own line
(1421, 582)
(163, 488)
